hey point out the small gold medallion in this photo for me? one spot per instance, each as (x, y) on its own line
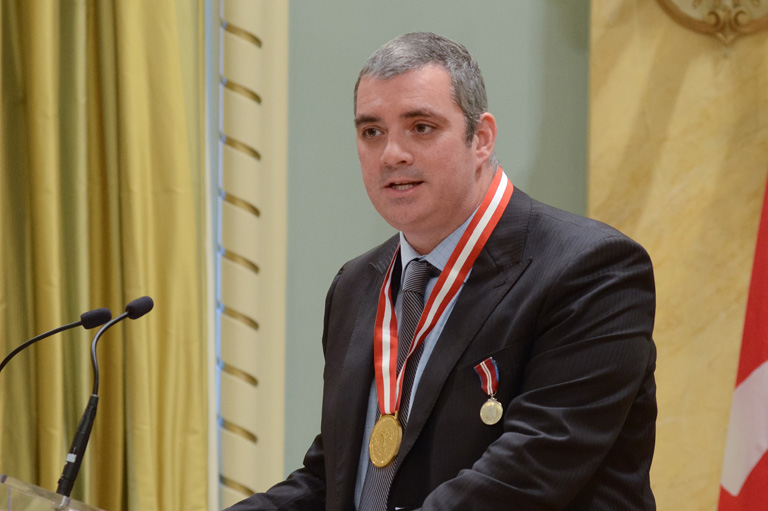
(385, 440)
(491, 411)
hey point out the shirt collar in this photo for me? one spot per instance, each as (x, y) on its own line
(439, 255)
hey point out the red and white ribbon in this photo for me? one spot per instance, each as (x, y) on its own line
(389, 384)
(488, 372)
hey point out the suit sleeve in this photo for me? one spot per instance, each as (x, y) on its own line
(304, 489)
(587, 387)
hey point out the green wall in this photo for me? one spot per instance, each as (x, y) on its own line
(534, 57)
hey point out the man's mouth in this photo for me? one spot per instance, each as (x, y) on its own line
(404, 186)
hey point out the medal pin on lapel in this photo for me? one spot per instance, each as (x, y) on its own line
(491, 411)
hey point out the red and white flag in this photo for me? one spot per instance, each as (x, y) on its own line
(744, 481)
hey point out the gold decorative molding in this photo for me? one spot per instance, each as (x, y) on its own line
(252, 170)
(242, 261)
(240, 89)
(724, 19)
(241, 203)
(240, 146)
(239, 373)
(241, 32)
(234, 485)
(232, 313)
(237, 430)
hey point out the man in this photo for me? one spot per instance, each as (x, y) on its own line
(529, 379)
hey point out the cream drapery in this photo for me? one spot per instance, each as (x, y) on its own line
(101, 201)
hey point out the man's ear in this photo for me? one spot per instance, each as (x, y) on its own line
(485, 137)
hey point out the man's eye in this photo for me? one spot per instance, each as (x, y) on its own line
(423, 128)
(370, 132)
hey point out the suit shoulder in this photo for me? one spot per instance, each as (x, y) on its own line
(561, 229)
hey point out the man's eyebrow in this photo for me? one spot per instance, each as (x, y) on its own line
(365, 119)
(410, 114)
(419, 112)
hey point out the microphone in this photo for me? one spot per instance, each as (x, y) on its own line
(88, 320)
(138, 307)
(134, 310)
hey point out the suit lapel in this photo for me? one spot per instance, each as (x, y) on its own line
(495, 271)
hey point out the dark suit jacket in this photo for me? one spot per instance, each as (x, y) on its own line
(565, 305)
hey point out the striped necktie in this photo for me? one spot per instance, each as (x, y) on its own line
(417, 274)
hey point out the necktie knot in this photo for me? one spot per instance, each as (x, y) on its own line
(417, 275)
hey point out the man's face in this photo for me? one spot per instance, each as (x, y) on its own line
(420, 173)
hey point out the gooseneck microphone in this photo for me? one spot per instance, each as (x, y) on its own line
(134, 310)
(90, 319)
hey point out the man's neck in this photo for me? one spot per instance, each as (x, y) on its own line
(438, 254)
(424, 247)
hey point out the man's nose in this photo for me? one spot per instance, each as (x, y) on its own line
(396, 152)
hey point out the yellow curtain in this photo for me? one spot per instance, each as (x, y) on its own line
(102, 201)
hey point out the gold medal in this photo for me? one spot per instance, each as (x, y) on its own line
(385, 440)
(491, 411)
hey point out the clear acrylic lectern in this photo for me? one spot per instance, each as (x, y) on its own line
(16, 495)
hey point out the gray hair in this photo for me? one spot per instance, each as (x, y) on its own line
(419, 49)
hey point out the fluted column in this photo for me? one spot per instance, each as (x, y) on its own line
(251, 258)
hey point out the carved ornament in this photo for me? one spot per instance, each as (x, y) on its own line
(724, 19)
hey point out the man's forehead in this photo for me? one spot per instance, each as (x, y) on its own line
(434, 69)
(415, 91)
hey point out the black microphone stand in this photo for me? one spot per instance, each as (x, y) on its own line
(83, 433)
(134, 310)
